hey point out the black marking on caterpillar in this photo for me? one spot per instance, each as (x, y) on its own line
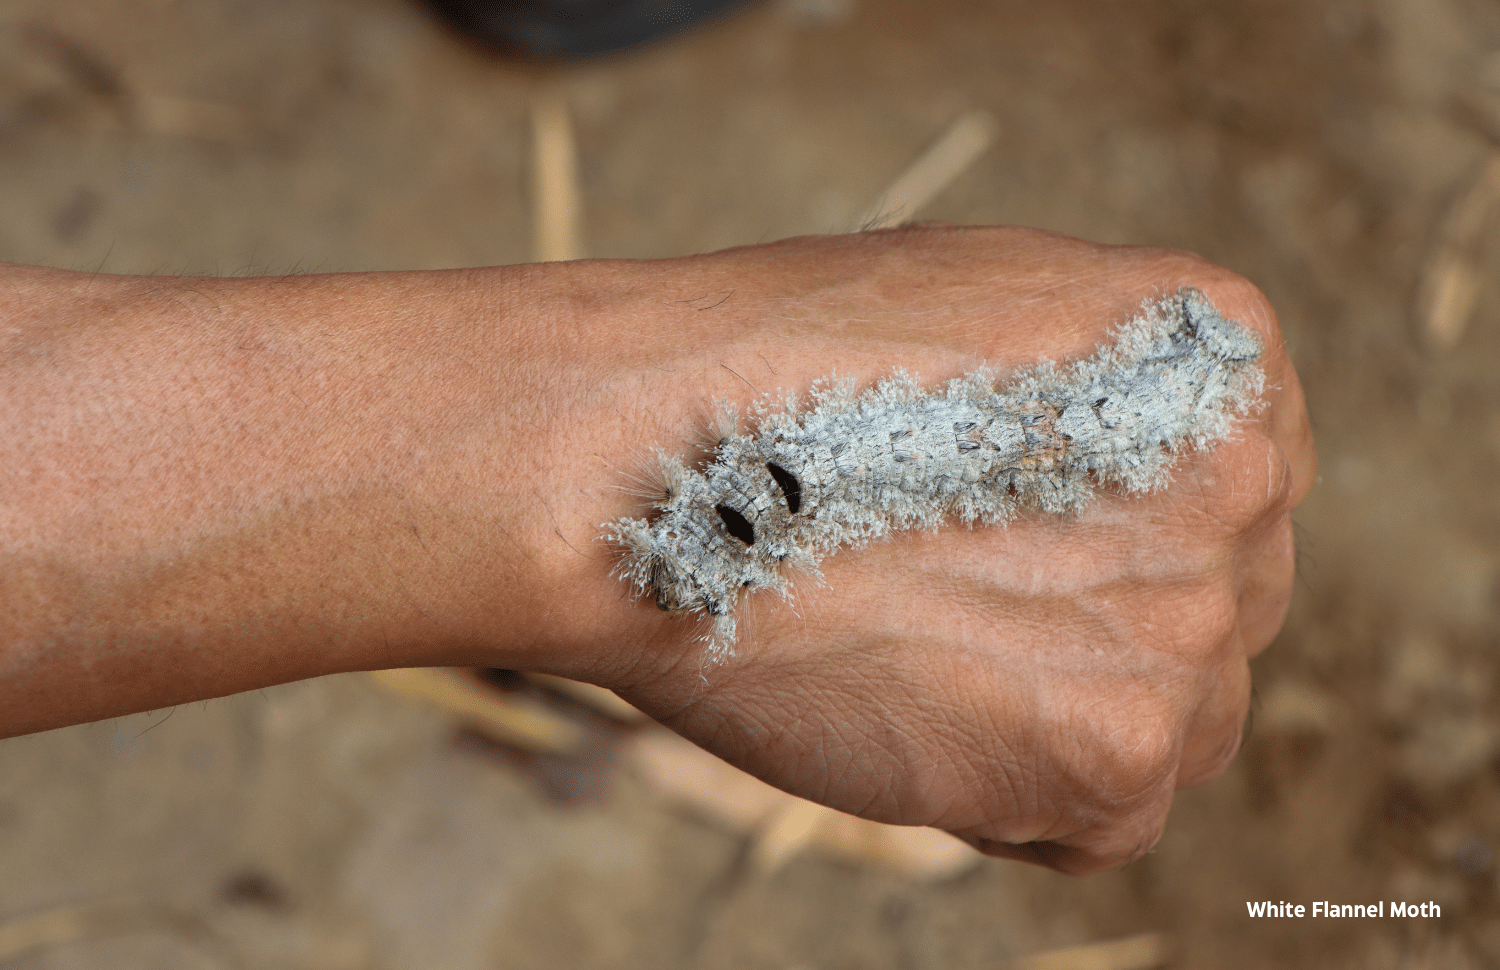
(854, 467)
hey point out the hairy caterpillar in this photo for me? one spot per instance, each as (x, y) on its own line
(856, 466)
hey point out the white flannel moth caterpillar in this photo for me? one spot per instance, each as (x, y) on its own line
(854, 467)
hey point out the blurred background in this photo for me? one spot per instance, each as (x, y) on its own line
(1339, 153)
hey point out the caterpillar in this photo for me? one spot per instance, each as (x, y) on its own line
(850, 467)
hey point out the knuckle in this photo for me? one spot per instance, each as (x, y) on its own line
(1235, 296)
(1241, 300)
(1200, 620)
(1239, 293)
(1247, 484)
(1178, 267)
(1242, 499)
(1134, 759)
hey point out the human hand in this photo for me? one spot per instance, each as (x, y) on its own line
(1038, 689)
(217, 485)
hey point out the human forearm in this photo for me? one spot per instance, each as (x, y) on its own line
(208, 486)
(213, 485)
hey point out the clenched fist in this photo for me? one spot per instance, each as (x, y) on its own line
(209, 486)
(1039, 689)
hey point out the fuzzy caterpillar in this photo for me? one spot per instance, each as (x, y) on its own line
(854, 467)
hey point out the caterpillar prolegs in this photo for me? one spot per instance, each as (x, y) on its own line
(851, 467)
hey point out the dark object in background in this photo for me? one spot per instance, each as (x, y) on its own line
(573, 28)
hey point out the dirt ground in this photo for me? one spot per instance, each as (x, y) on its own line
(1313, 145)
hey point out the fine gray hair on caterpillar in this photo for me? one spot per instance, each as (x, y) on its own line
(848, 466)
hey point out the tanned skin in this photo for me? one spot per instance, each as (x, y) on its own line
(214, 485)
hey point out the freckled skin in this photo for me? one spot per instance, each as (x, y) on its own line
(898, 457)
